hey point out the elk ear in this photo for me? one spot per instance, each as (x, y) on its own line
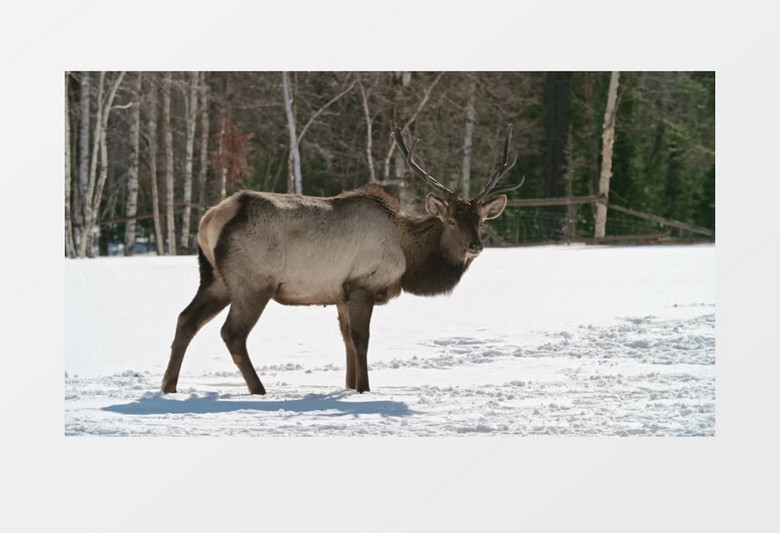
(435, 205)
(493, 208)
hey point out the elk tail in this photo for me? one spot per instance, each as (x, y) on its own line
(206, 269)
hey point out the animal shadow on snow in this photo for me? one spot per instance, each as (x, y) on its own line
(325, 404)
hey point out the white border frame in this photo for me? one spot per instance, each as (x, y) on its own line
(725, 483)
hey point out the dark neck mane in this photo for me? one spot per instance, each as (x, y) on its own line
(428, 271)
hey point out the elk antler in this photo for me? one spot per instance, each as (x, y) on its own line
(503, 168)
(422, 174)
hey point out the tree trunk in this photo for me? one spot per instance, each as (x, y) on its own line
(402, 81)
(593, 140)
(168, 147)
(191, 109)
(99, 149)
(104, 159)
(407, 195)
(295, 156)
(557, 106)
(569, 226)
(222, 159)
(99, 189)
(608, 138)
(86, 236)
(132, 172)
(70, 249)
(290, 172)
(79, 203)
(204, 144)
(221, 148)
(465, 177)
(369, 135)
(152, 132)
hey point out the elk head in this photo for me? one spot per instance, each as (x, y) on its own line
(462, 218)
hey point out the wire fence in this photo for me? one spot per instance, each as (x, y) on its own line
(528, 225)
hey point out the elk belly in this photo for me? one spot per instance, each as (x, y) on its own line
(324, 278)
(287, 295)
(317, 284)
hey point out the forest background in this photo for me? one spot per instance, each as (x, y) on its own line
(148, 152)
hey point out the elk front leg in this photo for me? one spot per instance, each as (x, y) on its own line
(360, 305)
(243, 315)
(350, 346)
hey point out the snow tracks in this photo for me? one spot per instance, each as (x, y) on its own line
(641, 376)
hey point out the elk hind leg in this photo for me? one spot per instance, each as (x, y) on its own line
(351, 381)
(360, 305)
(206, 304)
(243, 315)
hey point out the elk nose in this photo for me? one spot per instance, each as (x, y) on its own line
(475, 247)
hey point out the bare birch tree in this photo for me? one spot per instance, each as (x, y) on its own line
(168, 148)
(608, 138)
(96, 181)
(401, 81)
(70, 248)
(364, 95)
(191, 112)
(83, 161)
(223, 169)
(151, 127)
(86, 237)
(204, 144)
(221, 148)
(465, 177)
(294, 172)
(132, 171)
(103, 176)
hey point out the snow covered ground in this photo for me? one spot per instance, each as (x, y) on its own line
(566, 340)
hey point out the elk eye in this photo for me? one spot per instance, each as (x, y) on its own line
(451, 222)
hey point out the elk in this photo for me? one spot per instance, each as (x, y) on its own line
(354, 251)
